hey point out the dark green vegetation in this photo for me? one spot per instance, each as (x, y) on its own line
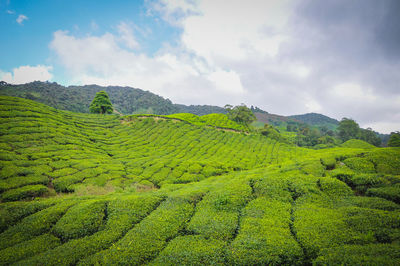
(310, 130)
(125, 100)
(315, 119)
(394, 140)
(89, 189)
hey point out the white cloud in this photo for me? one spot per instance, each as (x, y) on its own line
(21, 19)
(235, 29)
(10, 12)
(232, 52)
(127, 36)
(353, 92)
(226, 81)
(24, 74)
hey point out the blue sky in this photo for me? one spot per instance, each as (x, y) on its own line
(29, 40)
(336, 57)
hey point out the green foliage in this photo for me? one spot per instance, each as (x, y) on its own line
(271, 132)
(359, 164)
(123, 213)
(28, 248)
(12, 212)
(264, 237)
(81, 220)
(218, 213)
(24, 192)
(394, 140)
(240, 114)
(192, 250)
(101, 104)
(33, 225)
(160, 190)
(126, 100)
(356, 143)
(148, 238)
(371, 254)
(348, 129)
(388, 192)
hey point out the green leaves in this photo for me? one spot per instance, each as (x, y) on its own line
(101, 104)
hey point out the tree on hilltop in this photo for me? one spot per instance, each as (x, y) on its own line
(394, 140)
(348, 129)
(101, 104)
(240, 114)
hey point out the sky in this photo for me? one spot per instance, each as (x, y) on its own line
(340, 58)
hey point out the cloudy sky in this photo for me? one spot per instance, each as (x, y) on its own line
(336, 57)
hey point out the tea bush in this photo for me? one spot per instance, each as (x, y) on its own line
(81, 220)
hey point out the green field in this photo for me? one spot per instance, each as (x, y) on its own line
(88, 189)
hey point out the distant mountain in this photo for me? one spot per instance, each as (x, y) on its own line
(314, 119)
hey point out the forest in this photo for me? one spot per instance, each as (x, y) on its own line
(103, 189)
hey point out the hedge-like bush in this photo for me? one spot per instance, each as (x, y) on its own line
(81, 220)
(24, 192)
(11, 212)
(387, 192)
(264, 237)
(28, 248)
(360, 164)
(148, 238)
(192, 250)
(371, 254)
(123, 214)
(33, 225)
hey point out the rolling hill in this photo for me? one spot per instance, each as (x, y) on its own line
(88, 189)
(126, 100)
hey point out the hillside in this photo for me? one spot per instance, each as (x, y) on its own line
(87, 189)
(126, 100)
(315, 119)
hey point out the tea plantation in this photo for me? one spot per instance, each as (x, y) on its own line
(87, 189)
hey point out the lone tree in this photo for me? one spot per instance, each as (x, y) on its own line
(241, 114)
(101, 104)
(394, 140)
(348, 129)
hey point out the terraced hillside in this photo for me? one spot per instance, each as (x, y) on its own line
(94, 189)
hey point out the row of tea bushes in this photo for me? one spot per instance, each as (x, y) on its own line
(123, 212)
(264, 237)
(142, 243)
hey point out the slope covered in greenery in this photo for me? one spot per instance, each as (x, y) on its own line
(315, 119)
(126, 100)
(88, 189)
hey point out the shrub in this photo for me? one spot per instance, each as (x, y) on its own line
(318, 226)
(264, 237)
(14, 182)
(148, 238)
(192, 250)
(217, 214)
(28, 248)
(388, 192)
(358, 144)
(123, 213)
(334, 187)
(11, 212)
(33, 225)
(371, 254)
(24, 192)
(360, 165)
(81, 220)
